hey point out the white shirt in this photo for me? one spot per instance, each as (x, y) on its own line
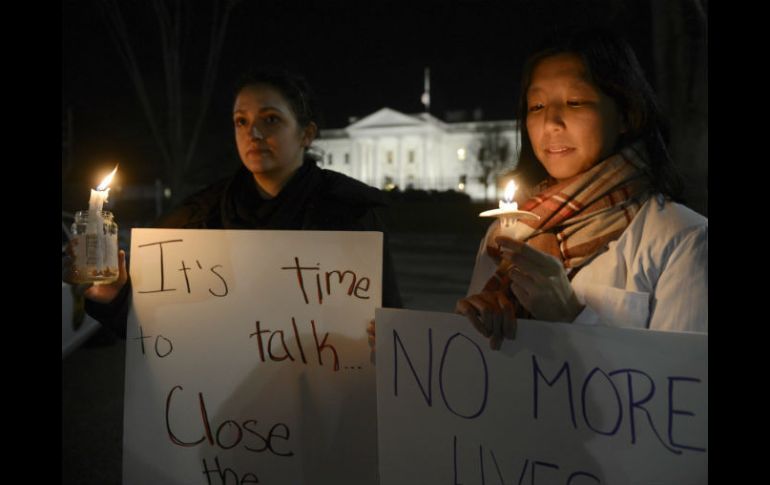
(654, 276)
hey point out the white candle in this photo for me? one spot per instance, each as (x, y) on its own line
(508, 212)
(507, 203)
(93, 253)
(95, 203)
(95, 228)
(95, 219)
(97, 200)
(99, 196)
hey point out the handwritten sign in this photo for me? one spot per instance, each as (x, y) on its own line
(247, 358)
(562, 404)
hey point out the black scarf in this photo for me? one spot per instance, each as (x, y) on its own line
(244, 208)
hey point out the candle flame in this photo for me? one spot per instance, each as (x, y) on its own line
(510, 191)
(106, 180)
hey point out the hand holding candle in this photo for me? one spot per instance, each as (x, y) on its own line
(492, 311)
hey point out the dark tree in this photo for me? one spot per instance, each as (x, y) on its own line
(175, 122)
(493, 153)
(680, 41)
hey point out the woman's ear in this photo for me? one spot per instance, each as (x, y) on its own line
(309, 134)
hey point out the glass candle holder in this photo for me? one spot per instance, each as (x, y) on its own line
(96, 247)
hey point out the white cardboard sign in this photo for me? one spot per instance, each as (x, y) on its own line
(561, 404)
(247, 358)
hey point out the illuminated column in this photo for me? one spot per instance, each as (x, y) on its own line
(358, 161)
(424, 161)
(376, 169)
(400, 162)
(354, 168)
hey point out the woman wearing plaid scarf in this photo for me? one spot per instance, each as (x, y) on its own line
(612, 246)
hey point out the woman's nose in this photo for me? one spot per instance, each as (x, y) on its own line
(554, 117)
(255, 133)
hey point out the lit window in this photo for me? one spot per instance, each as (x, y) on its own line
(461, 154)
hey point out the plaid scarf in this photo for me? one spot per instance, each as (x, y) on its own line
(581, 215)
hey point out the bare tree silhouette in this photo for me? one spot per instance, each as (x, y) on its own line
(493, 153)
(176, 141)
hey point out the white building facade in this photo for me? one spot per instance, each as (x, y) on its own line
(390, 149)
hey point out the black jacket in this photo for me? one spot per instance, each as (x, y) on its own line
(313, 199)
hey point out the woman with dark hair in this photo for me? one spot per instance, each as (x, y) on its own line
(278, 186)
(613, 245)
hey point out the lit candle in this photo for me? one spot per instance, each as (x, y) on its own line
(507, 203)
(508, 212)
(96, 251)
(99, 196)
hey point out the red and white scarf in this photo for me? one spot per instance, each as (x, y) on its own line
(579, 216)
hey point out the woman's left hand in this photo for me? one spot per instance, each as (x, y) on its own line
(539, 282)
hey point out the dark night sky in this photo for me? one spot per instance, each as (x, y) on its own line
(358, 56)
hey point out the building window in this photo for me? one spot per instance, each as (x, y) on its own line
(347, 159)
(389, 156)
(410, 156)
(410, 182)
(329, 159)
(461, 153)
(389, 185)
(461, 183)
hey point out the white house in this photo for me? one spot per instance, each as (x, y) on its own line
(389, 149)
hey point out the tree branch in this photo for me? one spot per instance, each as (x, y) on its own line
(119, 35)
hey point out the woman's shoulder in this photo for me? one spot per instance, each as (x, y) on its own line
(340, 188)
(661, 226)
(195, 209)
(344, 203)
(667, 219)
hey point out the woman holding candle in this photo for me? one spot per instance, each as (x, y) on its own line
(611, 245)
(278, 186)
